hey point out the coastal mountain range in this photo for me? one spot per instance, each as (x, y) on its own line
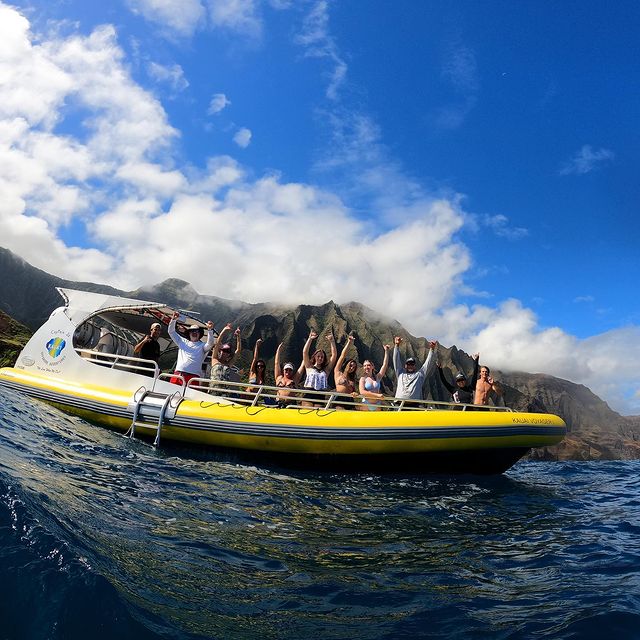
(595, 431)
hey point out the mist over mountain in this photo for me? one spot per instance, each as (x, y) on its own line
(28, 295)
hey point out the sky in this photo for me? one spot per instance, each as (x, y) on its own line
(466, 168)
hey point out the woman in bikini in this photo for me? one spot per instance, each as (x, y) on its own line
(286, 378)
(369, 385)
(257, 370)
(345, 377)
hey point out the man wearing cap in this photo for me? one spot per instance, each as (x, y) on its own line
(223, 356)
(462, 392)
(149, 349)
(410, 381)
(191, 351)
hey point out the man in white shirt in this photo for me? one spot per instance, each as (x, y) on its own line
(410, 380)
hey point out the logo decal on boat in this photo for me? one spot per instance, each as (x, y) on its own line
(55, 346)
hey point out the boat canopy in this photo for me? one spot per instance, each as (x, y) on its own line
(126, 313)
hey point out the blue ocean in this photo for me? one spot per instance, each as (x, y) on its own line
(105, 537)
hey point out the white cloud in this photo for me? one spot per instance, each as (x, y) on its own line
(586, 160)
(23, 67)
(171, 75)
(460, 71)
(509, 338)
(219, 101)
(151, 178)
(181, 17)
(499, 224)
(279, 5)
(49, 179)
(242, 137)
(318, 43)
(239, 16)
(584, 299)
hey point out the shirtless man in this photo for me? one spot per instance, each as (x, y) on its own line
(484, 387)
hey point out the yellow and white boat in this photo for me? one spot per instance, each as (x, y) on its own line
(81, 360)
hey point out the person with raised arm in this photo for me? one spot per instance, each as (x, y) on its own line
(410, 380)
(317, 366)
(345, 376)
(257, 370)
(485, 385)
(286, 378)
(370, 384)
(462, 392)
(223, 356)
(191, 351)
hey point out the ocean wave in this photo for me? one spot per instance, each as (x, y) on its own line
(104, 533)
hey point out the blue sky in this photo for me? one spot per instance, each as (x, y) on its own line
(466, 167)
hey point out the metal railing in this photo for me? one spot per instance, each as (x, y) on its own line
(123, 363)
(267, 395)
(253, 395)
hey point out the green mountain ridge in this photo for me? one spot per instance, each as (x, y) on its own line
(595, 431)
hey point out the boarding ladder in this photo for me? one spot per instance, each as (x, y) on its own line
(152, 408)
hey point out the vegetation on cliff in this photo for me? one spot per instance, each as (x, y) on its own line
(13, 336)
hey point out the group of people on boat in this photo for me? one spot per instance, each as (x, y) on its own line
(303, 383)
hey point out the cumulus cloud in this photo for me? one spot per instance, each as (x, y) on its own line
(586, 160)
(51, 179)
(115, 172)
(239, 16)
(180, 17)
(172, 75)
(242, 137)
(218, 102)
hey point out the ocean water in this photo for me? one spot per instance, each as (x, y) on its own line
(104, 537)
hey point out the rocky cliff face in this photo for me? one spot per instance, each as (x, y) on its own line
(595, 431)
